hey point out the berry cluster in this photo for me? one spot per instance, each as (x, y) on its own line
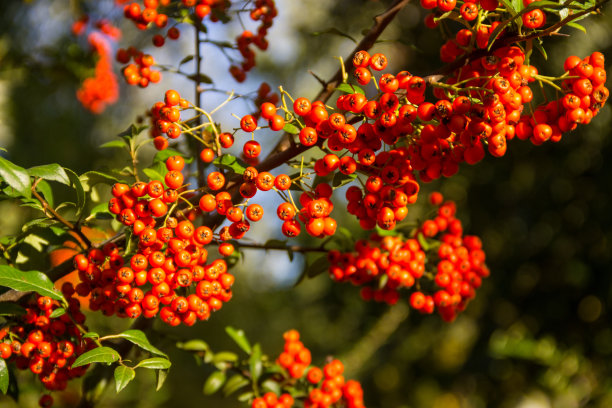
(102, 89)
(138, 206)
(453, 264)
(45, 345)
(169, 263)
(479, 107)
(468, 10)
(263, 11)
(326, 387)
(140, 72)
(165, 117)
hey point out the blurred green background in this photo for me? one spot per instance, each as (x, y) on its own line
(538, 334)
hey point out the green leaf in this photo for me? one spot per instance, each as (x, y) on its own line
(349, 88)
(98, 355)
(341, 179)
(118, 143)
(16, 177)
(91, 335)
(163, 155)
(335, 31)
(11, 309)
(227, 161)
(225, 356)
(101, 212)
(194, 345)
(289, 128)
(52, 172)
(423, 241)
(75, 182)
(60, 311)
(4, 376)
(577, 26)
(132, 131)
(214, 382)
(201, 78)
(186, 59)
(271, 386)
(319, 266)
(161, 378)
(156, 172)
(538, 46)
(239, 338)
(123, 376)
(235, 383)
(28, 281)
(155, 363)
(91, 178)
(255, 363)
(138, 338)
(46, 191)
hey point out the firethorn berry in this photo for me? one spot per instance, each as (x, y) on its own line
(276, 122)
(207, 155)
(301, 106)
(248, 123)
(251, 149)
(226, 140)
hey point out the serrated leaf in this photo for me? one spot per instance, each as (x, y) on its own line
(235, 383)
(194, 345)
(214, 382)
(291, 129)
(123, 376)
(28, 281)
(227, 161)
(161, 378)
(11, 309)
(239, 338)
(75, 182)
(319, 266)
(138, 338)
(4, 376)
(98, 355)
(335, 31)
(349, 88)
(52, 172)
(255, 364)
(15, 176)
(155, 363)
(118, 143)
(60, 311)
